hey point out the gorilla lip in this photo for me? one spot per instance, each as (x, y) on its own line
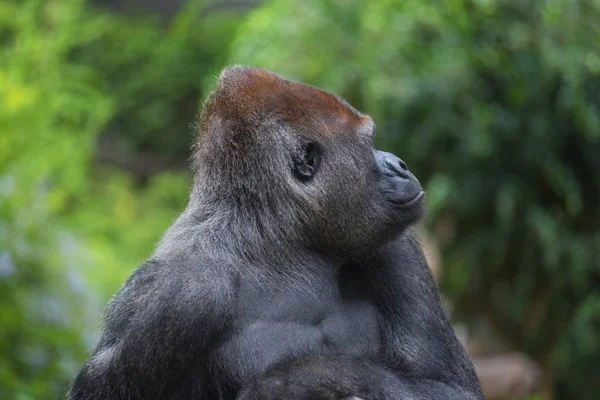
(413, 200)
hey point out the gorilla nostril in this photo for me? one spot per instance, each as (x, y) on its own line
(398, 167)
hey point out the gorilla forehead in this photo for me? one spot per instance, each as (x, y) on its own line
(251, 95)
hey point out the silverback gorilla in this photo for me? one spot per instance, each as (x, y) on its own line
(292, 273)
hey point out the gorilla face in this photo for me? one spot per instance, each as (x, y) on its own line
(314, 154)
(396, 185)
(365, 191)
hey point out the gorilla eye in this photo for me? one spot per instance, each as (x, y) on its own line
(307, 161)
(309, 154)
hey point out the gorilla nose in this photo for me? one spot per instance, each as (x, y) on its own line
(399, 167)
(394, 164)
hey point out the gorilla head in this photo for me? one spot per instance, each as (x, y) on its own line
(327, 187)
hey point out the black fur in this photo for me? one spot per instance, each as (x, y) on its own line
(291, 274)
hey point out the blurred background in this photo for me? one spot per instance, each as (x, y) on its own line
(494, 104)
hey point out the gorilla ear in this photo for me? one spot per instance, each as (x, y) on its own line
(307, 162)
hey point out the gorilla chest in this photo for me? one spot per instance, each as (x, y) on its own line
(291, 322)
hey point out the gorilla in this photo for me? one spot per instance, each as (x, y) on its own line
(292, 273)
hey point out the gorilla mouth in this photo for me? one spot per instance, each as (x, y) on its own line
(410, 202)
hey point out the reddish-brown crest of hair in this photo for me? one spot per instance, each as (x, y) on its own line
(245, 97)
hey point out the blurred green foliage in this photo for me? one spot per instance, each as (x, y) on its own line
(50, 113)
(167, 67)
(494, 103)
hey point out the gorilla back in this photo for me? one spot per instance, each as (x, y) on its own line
(292, 273)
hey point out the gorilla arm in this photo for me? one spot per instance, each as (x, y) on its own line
(339, 377)
(156, 329)
(419, 343)
(326, 378)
